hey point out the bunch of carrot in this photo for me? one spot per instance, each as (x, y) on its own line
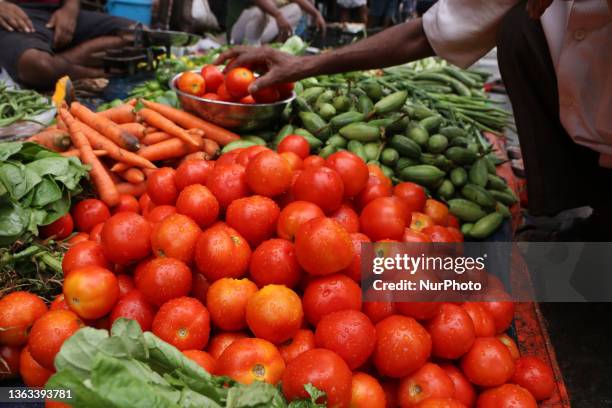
(122, 143)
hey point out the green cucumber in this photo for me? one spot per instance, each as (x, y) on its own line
(356, 147)
(460, 155)
(371, 150)
(405, 146)
(315, 125)
(422, 174)
(391, 102)
(360, 131)
(326, 111)
(437, 143)
(503, 197)
(446, 189)
(478, 195)
(337, 140)
(256, 139)
(346, 118)
(314, 142)
(432, 123)
(465, 210)
(478, 173)
(364, 104)
(458, 176)
(342, 103)
(486, 225)
(452, 132)
(237, 144)
(404, 162)
(465, 228)
(418, 134)
(327, 151)
(389, 156)
(495, 182)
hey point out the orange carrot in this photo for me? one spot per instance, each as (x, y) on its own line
(134, 128)
(159, 121)
(189, 121)
(211, 148)
(151, 129)
(119, 114)
(106, 127)
(133, 175)
(104, 184)
(168, 149)
(53, 139)
(196, 156)
(132, 102)
(155, 137)
(135, 190)
(77, 153)
(100, 142)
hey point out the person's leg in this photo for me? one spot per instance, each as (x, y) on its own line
(239, 28)
(292, 13)
(41, 69)
(255, 26)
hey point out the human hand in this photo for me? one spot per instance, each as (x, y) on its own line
(284, 28)
(63, 22)
(535, 8)
(320, 23)
(13, 18)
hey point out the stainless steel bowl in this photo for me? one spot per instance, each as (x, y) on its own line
(232, 115)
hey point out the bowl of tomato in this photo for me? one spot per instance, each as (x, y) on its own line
(224, 99)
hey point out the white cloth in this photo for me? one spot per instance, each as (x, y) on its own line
(579, 36)
(352, 3)
(254, 27)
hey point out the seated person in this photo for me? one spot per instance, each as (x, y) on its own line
(347, 6)
(268, 20)
(41, 42)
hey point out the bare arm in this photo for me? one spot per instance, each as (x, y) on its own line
(269, 7)
(63, 22)
(309, 8)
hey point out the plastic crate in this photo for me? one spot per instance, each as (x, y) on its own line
(137, 10)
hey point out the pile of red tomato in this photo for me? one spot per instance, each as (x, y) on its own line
(212, 84)
(250, 266)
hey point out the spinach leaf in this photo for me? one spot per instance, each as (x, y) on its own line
(46, 192)
(14, 221)
(9, 149)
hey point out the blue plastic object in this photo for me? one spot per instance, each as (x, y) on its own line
(137, 10)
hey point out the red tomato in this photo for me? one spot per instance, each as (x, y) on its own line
(183, 322)
(91, 291)
(160, 213)
(374, 188)
(126, 284)
(323, 246)
(86, 253)
(246, 155)
(348, 333)
(418, 310)
(377, 311)
(134, 306)
(162, 279)
(267, 95)
(161, 186)
(506, 396)
(248, 100)
(223, 94)
(175, 237)
(78, 237)
(325, 370)
(437, 233)
(294, 215)
(294, 161)
(125, 238)
(89, 213)
(452, 332)
(347, 217)
(18, 312)
(415, 236)
(437, 210)
(228, 183)
(434, 402)
(253, 217)
(353, 271)
(413, 195)
(212, 96)
(203, 359)
(192, 172)
(127, 202)
(464, 390)
(501, 310)
(384, 218)
(268, 174)
(535, 376)
(403, 346)
(237, 82)
(376, 171)
(227, 300)
(314, 161)
(191, 83)
(249, 360)
(511, 344)
(219, 342)
(213, 77)
(488, 363)
(32, 373)
(484, 326)
(274, 313)
(58, 229)
(275, 262)
(59, 303)
(221, 252)
(286, 89)
(330, 294)
(453, 222)
(9, 362)
(321, 186)
(428, 381)
(455, 234)
(352, 169)
(420, 221)
(296, 144)
(199, 204)
(366, 392)
(302, 341)
(48, 334)
(145, 204)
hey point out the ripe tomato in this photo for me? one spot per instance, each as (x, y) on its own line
(321, 186)
(221, 252)
(267, 95)
(191, 83)
(126, 238)
(32, 373)
(434, 402)
(192, 172)
(59, 303)
(438, 233)
(330, 294)
(247, 154)
(49, 333)
(484, 326)
(374, 188)
(175, 237)
(376, 171)
(89, 213)
(213, 77)
(420, 221)
(9, 362)
(452, 332)
(18, 312)
(506, 396)
(437, 210)
(95, 235)
(403, 346)
(203, 359)
(377, 311)
(464, 390)
(274, 313)
(183, 322)
(285, 89)
(160, 213)
(237, 82)
(347, 217)
(223, 94)
(268, 174)
(453, 222)
(349, 333)
(511, 344)
(353, 271)
(127, 202)
(303, 340)
(428, 381)
(502, 310)
(161, 186)
(415, 236)
(86, 253)
(384, 218)
(275, 262)
(248, 360)
(145, 204)
(455, 234)
(488, 363)
(418, 310)
(366, 392)
(228, 183)
(227, 300)
(294, 161)
(126, 284)
(78, 237)
(294, 215)
(219, 342)
(134, 306)
(58, 229)
(323, 246)
(91, 291)
(314, 161)
(296, 144)
(199, 204)
(412, 194)
(212, 96)
(253, 217)
(162, 279)
(352, 169)
(535, 376)
(325, 370)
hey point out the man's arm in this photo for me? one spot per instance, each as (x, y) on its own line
(399, 44)
(63, 22)
(269, 7)
(309, 8)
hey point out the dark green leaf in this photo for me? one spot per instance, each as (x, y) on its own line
(78, 352)
(14, 221)
(12, 175)
(57, 166)
(7, 149)
(255, 395)
(47, 192)
(57, 209)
